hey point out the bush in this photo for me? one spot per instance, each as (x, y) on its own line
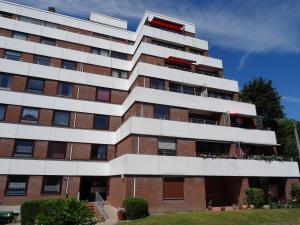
(255, 196)
(29, 211)
(65, 212)
(56, 211)
(135, 208)
(295, 192)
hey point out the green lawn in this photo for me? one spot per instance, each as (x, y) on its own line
(246, 217)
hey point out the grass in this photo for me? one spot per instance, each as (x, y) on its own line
(246, 217)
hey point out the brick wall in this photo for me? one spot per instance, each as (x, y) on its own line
(186, 147)
(6, 147)
(179, 114)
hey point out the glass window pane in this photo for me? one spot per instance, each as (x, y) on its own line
(49, 24)
(5, 80)
(70, 65)
(23, 148)
(104, 52)
(115, 73)
(17, 185)
(52, 184)
(95, 51)
(161, 112)
(61, 118)
(124, 74)
(35, 86)
(101, 122)
(48, 41)
(2, 112)
(118, 55)
(99, 152)
(12, 55)
(167, 146)
(20, 35)
(56, 150)
(65, 89)
(103, 94)
(157, 83)
(41, 60)
(30, 115)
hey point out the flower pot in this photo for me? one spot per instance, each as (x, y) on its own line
(121, 216)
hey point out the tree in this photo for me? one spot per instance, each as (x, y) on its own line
(260, 92)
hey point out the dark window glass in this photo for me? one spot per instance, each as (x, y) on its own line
(51, 184)
(57, 150)
(61, 118)
(23, 148)
(65, 89)
(118, 55)
(35, 85)
(30, 115)
(100, 122)
(2, 111)
(100, 51)
(213, 148)
(5, 80)
(173, 188)
(49, 24)
(161, 112)
(41, 60)
(12, 55)
(98, 152)
(16, 185)
(119, 73)
(175, 87)
(6, 14)
(20, 35)
(103, 94)
(70, 65)
(157, 83)
(166, 146)
(48, 41)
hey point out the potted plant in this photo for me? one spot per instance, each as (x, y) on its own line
(121, 214)
(209, 205)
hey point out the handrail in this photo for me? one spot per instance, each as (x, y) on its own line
(99, 202)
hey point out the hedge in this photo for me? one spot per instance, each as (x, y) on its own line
(135, 208)
(255, 196)
(29, 211)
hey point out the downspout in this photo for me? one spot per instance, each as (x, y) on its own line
(134, 178)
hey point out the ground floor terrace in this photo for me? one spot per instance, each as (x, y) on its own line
(163, 193)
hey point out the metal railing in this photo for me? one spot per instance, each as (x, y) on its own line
(203, 121)
(99, 203)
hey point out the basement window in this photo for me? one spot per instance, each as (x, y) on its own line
(173, 188)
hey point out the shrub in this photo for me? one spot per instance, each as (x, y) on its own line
(65, 212)
(255, 196)
(29, 211)
(135, 208)
(295, 192)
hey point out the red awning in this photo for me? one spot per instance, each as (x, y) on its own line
(180, 61)
(166, 24)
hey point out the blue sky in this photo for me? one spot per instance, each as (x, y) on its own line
(253, 38)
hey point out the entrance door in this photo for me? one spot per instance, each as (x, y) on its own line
(90, 185)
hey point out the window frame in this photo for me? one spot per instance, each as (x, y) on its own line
(34, 91)
(118, 55)
(36, 61)
(22, 120)
(20, 33)
(153, 83)
(107, 122)
(9, 178)
(161, 116)
(61, 111)
(48, 43)
(65, 83)
(2, 74)
(15, 149)
(51, 192)
(96, 147)
(174, 178)
(4, 113)
(159, 150)
(68, 61)
(56, 142)
(102, 88)
(16, 58)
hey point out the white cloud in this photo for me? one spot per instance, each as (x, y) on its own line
(243, 60)
(250, 26)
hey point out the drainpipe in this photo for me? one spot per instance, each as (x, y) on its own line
(296, 137)
(134, 178)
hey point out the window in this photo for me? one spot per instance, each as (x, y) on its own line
(103, 94)
(166, 146)
(100, 122)
(61, 118)
(161, 112)
(41, 60)
(213, 148)
(56, 150)
(173, 188)
(29, 115)
(51, 185)
(70, 65)
(2, 112)
(5, 80)
(12, 55)
(16, 185)
(20, 35)
(31, 20)
(35, 85)
(119, 55)
(6, 14)
(23, 148)
(65, 89)
(98, 152)
(99, 51)
(48, 41)
(157, 83)
(49, 24)
(119, 73)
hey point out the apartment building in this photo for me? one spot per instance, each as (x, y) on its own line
(89, 106)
